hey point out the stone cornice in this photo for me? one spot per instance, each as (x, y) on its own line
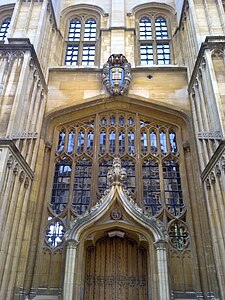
(9, 144)
(171, 68)
(211, 42)
(217, 154)
(23, 44)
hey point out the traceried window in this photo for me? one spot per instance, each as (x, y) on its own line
(4, 26)
(81, 41)
(84, 153)
(154, 40)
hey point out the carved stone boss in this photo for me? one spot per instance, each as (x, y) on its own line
(116, 74)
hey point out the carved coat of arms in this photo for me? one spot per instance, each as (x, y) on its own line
(116, 75)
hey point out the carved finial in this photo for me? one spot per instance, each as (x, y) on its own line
(117, 174)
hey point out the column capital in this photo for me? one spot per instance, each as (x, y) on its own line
(72, 244)
(160, 245)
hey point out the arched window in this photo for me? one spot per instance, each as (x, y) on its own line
(84, 153)
(4, 26)
(81, 41)
(154, 40)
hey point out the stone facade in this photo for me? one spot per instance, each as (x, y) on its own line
(48, 97)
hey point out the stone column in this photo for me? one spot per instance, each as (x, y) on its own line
(162, 264)
(68, 285)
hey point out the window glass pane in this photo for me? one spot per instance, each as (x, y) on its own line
(90, 30)
(131, 145)
(80, 142)
(179, 236)
(146, 51)
(61, 142)
(88, 57)
(129, 165)
(172, 187)
(112, 142)
(151, 186)
(122, 143)
(61, 185)
(161, 30)
(71, 139)
(102, 140)
(163, 142)
(104, 166)
(54, 234)
(71, 55)
(163, 53)
(173, 142)
(74, 30)
(90, 142)
(82, 185)
(153, 142)
(144, 144)
(145, 29)
(4, 28)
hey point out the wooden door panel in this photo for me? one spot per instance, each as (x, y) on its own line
(116, 269)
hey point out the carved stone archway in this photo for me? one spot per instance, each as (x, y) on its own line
(115, 198)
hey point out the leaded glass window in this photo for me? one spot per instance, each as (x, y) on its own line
(82, 185)
(172, 185)
(84, 152)
(61, 185)
(179, 236)
(54, 233)
(154, 41)
(81, 42)
(4, 27)
(151, 186)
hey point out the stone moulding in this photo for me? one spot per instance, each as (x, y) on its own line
(9, 144)
(23, 45)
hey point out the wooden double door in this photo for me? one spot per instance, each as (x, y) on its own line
(116, 269)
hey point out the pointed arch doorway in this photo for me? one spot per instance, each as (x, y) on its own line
(116, 268)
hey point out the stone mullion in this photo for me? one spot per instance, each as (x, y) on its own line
(95, 160)
(5, 71)
(208, 18)
(5, 165)
(200, 116)
(16, 12)
(138, 162)
(32, 228)
(196, 128)
(12, 238)
(28, 18)
(194, 25)
(32, 101)
(205, 93)
(24, 113)
(191, 47)
(5, 201)
(41, 28)
(216, 236)
(195, 211)
(218, 205)
(214, 94)
(33, 154)
(49, 43)
(36, 108)
(5, 236)
(221, 15)
(19, 95)
(19, 241)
